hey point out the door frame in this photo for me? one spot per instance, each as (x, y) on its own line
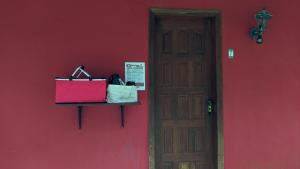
(216, 15)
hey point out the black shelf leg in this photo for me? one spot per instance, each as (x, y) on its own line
(79, 116)
(122, 115)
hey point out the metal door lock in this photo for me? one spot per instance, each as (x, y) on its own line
(210, 105)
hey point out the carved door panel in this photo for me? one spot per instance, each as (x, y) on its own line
(183, 83)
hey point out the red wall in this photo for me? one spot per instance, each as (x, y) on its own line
(41, 39)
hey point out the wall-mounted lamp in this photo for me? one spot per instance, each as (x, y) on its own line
(261, 18)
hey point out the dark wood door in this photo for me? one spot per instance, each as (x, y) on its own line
(184, 81)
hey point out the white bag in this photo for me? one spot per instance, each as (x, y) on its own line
(121, 94)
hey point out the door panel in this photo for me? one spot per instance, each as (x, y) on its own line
(183, 83)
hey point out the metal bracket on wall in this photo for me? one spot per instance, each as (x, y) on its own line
(79, 108)
(122, 116)
(79, 114)
(81, 105)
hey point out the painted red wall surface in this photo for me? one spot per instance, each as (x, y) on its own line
(41, 39)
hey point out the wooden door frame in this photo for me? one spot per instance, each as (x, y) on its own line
(216, 15)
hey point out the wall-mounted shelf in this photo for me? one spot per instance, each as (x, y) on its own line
(81, 105)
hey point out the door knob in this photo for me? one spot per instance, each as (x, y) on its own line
(211, 104)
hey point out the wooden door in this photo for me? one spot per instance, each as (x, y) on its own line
(184, 80)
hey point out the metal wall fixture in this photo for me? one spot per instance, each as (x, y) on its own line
(256, 32)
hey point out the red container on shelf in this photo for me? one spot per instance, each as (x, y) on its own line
(80, 90)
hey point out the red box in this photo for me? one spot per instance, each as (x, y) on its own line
(80, 90)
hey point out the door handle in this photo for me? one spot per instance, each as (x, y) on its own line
(211, 104)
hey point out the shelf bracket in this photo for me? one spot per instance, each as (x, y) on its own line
(80, 106)
(79, 114)
(122, 115)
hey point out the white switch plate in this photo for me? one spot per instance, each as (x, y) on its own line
(230, 53)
